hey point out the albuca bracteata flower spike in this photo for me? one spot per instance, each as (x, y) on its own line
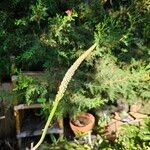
(62, 89)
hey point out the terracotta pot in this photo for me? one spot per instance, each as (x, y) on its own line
(85, 128)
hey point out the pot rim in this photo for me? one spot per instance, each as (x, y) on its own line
(87, 115)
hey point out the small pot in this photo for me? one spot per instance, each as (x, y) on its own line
(90, 119)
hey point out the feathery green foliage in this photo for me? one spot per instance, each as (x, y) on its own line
(43, 36)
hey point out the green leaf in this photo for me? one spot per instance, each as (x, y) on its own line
(41, 100)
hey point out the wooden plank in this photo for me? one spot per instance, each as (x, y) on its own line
(39, 132)
(33, 73)
(25, 106)
(14, 78)
(17, 118)
(2, 117)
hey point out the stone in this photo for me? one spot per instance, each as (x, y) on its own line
(136, 107)
(122, 106)
(118, 125)
(141, 121)
(112, 128)
(138, 115)
(111, 137)
(145, 109)
(117, 116)
(112, 121)
(127, 118)
(114, 125)
(137, 122)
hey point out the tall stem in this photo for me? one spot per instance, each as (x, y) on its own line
(62, 89)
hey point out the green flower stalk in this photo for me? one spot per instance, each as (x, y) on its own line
(62, 89)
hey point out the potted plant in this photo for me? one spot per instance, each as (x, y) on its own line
(82, 123)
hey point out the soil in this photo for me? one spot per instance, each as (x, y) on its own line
(81, 121)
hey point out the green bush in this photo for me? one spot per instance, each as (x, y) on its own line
(42, 34)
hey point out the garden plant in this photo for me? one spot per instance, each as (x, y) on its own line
(111, 37)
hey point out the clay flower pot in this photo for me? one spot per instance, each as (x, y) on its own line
(83, 123)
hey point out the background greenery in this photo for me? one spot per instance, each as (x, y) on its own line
(43, 36)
